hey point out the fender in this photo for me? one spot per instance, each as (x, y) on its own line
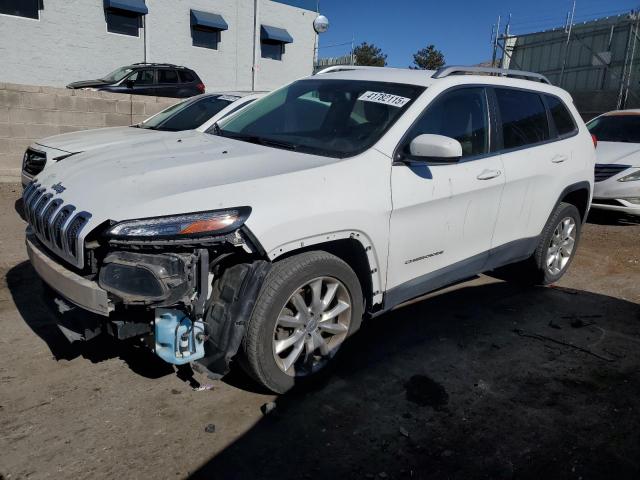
(574, 188)
(374, 264)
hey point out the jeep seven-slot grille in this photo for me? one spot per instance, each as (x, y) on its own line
(34, 161)
(57, 226)
(604, 171)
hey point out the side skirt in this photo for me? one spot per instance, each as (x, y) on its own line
(490, 260)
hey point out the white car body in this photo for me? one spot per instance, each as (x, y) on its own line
(419, 227)
(615, 161)
(59, 147)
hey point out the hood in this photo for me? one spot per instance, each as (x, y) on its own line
(88, 84)
(170, 174)
(86, 140)
(618, 153)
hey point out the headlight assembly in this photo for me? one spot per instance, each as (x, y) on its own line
(631, 177)
(216, 222)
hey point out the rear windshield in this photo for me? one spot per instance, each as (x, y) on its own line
(616, 128)
(187, 115)
(336, 118)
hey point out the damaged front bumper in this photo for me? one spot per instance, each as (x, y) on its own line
(163, 297)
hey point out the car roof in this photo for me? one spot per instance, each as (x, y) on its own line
(427, 78)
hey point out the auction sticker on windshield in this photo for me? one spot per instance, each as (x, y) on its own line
(385, 99)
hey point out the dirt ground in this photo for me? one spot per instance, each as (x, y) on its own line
(483, 380)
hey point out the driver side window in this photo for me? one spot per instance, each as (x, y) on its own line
(142, 77)
(461, 114)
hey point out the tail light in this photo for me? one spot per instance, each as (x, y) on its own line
(595, 140)
(200, 87)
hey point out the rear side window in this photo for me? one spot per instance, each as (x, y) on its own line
(167, 76)
(186, 76)
(523, 116)
(561, 117)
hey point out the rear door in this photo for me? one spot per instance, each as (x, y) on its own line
(168, 83)
(444, 214)
(536, 161)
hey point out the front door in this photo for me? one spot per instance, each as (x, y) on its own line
(444, 214)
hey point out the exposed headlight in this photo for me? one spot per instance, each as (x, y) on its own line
(631, 177)
(199, 224)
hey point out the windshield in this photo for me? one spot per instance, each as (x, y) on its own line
(117, 75)
(188, 115)
(616, 128)
(336, 118)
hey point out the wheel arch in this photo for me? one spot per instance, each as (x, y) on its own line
(352, 247)
(578, 195)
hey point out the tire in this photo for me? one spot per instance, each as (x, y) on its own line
(537, 270)
(279, 319)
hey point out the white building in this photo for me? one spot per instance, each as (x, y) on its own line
(55, 42)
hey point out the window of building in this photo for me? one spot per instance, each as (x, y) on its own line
(460, 114)
(524, 118)
(167, 76)
(205, 38)
(124, 16)
(272, 42)
(272, 50)
(561, 117)
(21, 8)
(206, 28)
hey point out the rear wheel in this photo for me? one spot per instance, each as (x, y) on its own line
(556, 248)
(308, 306)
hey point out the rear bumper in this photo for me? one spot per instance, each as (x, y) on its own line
(78, 290)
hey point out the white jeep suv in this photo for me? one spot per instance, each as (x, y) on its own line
(336, 197)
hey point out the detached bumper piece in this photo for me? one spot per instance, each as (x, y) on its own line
(228, 311)
(78, 290)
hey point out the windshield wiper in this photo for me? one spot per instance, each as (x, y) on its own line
(267, 142)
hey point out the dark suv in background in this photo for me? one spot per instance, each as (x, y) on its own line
(159, 79)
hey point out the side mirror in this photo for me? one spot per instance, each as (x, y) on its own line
(130, 83)
(435, 147)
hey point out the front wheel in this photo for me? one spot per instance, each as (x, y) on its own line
(308, 306)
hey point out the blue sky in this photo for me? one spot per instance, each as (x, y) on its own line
(461, 29)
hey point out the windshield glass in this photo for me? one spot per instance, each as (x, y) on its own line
(616, 128)
(336, 118)
(117, 75)
(187, 115)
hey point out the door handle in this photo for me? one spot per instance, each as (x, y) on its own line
(489, 174)
(559, 158)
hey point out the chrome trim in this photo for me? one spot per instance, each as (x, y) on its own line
(78, 290)
(50, 219)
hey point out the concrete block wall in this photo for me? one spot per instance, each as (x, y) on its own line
(29, 113)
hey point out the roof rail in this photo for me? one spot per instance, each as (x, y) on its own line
(158, 64)
(460, 70)
(344, 68)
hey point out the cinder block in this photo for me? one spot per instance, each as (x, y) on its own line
(39, 101)
(142, 98)
(123, 107)
(5, 146)
(153, 108)
(87, 94)
(19, 145)
(41, 131)
(23, 115)
(10, 98)
(22, 88)
(117, 119)
(88, 119)
(10, 162)
(135, 119)
(139, 108)
(60, 92)
(17, 130)
(102, 105)
(113, 96)
(70, 128)
(4, 114)
(5, 130)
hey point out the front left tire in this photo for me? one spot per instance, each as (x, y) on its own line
(308, 306)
